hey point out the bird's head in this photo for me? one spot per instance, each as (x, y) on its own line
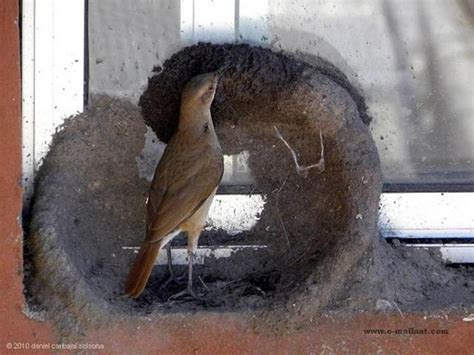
(200, 90)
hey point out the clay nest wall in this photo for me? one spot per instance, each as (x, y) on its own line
(308, 222)
(320, 230)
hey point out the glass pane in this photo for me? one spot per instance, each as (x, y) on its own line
(413, 61)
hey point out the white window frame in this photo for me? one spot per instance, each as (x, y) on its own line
(52, 76)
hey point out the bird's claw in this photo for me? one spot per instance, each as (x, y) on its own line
(178, 280)
(186, 293)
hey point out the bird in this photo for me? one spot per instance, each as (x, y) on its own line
(184, 183)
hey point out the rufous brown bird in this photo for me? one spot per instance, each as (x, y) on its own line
(184, 184)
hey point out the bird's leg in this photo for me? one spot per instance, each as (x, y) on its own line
(170, 262)
(190, 272)
(172, 276)
(192, 246)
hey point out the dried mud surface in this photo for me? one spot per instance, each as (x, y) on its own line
(323, 250)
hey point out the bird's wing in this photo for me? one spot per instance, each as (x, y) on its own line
(184, 179)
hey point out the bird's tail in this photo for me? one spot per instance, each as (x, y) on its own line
(141, 269)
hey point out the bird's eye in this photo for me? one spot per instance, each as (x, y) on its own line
(211, 87)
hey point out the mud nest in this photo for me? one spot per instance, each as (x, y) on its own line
(90, 199)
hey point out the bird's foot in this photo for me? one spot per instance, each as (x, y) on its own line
(187, 293)
(165, 284)
(178, 280)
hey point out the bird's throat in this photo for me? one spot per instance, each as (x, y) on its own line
(197, 125)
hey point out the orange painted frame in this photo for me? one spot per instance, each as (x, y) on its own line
(203, 332)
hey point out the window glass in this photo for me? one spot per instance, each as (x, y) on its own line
(413, 61)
